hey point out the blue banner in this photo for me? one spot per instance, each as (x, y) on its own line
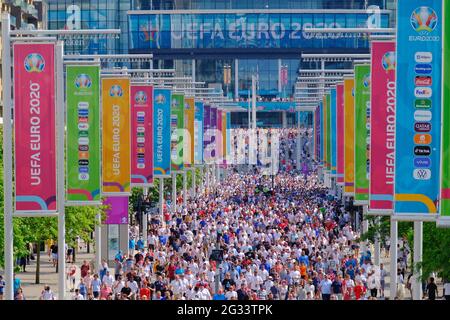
(333, 132)
(213, 136)
(161, 132)
(321, 153)
(418, 106)
(228, 133)
(198, 132)
(249, 30)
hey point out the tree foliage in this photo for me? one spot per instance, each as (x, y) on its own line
(80, 221)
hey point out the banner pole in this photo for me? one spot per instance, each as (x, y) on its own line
(145, 219)
(184, 188)
(193, 183)
(393, 262)
(60, 169)
(161, 199)
(174, 192)
(7, 158)
(418, 251)
(377, 243)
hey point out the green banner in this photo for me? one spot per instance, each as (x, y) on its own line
(176, 129)
(362, 132)
(444, 209)
(83, 134)
(328, 97)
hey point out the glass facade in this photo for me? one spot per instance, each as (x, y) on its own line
(254, 4)
(247, 30)
(221, 33)
(91, 14)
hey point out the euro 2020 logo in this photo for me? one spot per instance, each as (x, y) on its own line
(115, 91)
(424, 20)
(83, 81)
(366, 80)
(388, 61)
(34, 62)
(140, 97)
(160, 99)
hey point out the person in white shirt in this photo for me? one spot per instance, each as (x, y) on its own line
(231, 294)
(77, 295)
(255, 282)
(47, 294)
(108, 279)
(203, 293)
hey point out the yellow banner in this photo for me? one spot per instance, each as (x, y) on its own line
(116, 167)
(325, 158)
(224, 137)
(349, 136)
(189, 117)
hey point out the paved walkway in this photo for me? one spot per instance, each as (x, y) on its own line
(48, 275)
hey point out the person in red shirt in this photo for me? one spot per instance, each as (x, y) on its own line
(360, 290)
(171, 271)
(144, 292)
(85, 269)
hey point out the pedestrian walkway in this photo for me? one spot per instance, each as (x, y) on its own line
(48, 275)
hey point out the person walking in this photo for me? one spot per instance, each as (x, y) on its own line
(432, 290)
(446, 289)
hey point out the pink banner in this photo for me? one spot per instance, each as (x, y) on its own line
(34, 126)
(118, 210)
(141, 135)
(219, 138)
(382, 126)
(340, 133)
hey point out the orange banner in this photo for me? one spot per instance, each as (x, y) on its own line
(189, 113)
(116, 167)
(349, 136)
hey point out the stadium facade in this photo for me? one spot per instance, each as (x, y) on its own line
(206, 39)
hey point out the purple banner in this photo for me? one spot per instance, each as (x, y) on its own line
(118, 210)
(213, 122)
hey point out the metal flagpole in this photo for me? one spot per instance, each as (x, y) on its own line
(7, 157)
(174, 192)
(145, 219)
(184, 188)
(193, 183)
(377, 243)
(60, 103)
(393, 256)
(161, 199)
(418, 251)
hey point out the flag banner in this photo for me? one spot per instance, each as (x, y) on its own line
(213, 136)
(349, 137)
(206, 134)
(141, 135)
(117, 212)
(116, 136)
(321, 134)
(340, 133)
(325, 133)
(198, 133)
(418, 107)
(161, 132)
(83, 155)
(382, 126)
(219, 138)
(34, 127)
(362, 133)
(177, 132)
(228, 138)
(444, 206)
(224, 138)
(329, 133)
(333, 132)
(189, 137)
